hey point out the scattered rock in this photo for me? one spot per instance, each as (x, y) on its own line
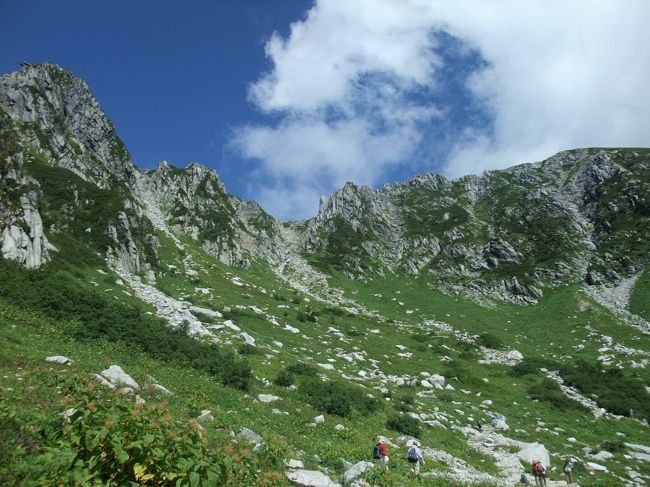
(117, 377)
(206, 415)
(310, 478)
(602, 456)
(268, 398)
(59, 359)
(595, 467)
(356, 470)
(534, 451)
(247, 339)
(294, 464)
(251, 436)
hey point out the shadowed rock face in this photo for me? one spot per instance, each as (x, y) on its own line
(579, 216)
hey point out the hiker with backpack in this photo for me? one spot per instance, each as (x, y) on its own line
(415, 458)
(568, 469)
(380, 453)
(539, 472)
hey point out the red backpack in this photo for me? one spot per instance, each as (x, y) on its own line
(539, 468)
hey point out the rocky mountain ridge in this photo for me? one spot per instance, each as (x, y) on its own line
(50, 119)
(507, 234)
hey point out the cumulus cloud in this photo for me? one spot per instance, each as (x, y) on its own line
(357, 87)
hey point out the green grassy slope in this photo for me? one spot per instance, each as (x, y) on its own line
(548, 331)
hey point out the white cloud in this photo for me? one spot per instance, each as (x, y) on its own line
(559, 74)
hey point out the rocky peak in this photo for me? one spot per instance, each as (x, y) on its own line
(508, 233)
(58, 114)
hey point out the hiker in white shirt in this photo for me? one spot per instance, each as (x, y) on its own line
(415, 458)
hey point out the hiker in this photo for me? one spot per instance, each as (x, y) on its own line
(539, 472)
(479, 426)
(415, 458)
(568, 468)
(380, 452)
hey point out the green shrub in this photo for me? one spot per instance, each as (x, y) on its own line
(490, 341)
(531, 366)
(612, 445)
(614, 390)
(337, 397)
(285, 378)
(405, 424)
(404, 401)
(247, 349)
(111, 440)
(302, 369)
(305, 316)
(355, 333)
(459, 370)
(549, 391)
(421, 337)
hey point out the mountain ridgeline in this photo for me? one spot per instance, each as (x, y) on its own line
(70, 188)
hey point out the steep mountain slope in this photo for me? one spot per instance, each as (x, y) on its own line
(55, 134)
(579, 216)
(394, 312)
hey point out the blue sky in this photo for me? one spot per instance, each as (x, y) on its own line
(289, 99)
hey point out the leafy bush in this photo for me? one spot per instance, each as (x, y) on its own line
(549, 391)
(404, 401)
(421, 337)
(337, 397)
(285, 378)
(305, 316)
(459, 370)
(612, 445)
(355, 333)
(247, 349)
(531, 366)
(490, 341)
(302, 369)
(110, 440)
(614, 390)
(404, 424)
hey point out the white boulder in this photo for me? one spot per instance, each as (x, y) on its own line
(205, 311)
(231, 326)
(355, 470)
(595, 467)
(438, 381)
(310, 478)
(534, 451)
(247, 339)
(59, 359)
(116, 376)
(267, 398)
(602, 456)
(206, 415)
(294, 464)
